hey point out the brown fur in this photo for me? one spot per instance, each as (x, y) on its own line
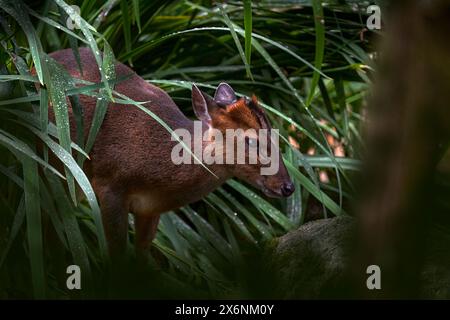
(131, 168)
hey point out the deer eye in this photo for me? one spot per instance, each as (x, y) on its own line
(252, 142)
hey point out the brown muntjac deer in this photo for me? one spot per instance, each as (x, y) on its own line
(130, 165)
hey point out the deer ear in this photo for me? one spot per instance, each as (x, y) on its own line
(202, 104)
(224, 95)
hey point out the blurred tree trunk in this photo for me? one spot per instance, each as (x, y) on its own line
(408, 123)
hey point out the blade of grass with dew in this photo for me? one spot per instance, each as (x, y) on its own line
(57, 93)
(102, 102)
(56, 25)
(63, 17)
(17, 9)
(86, 29)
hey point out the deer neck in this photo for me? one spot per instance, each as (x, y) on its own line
(203, 177)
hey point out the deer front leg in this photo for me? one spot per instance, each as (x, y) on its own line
(115, 221)
(146, 227)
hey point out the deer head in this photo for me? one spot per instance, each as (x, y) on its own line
(254, 155)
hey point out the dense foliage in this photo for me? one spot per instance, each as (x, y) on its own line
(310, 64)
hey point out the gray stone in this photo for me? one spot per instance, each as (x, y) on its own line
(311, 262)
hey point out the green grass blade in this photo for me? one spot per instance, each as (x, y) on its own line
(137, 14)
(72, 230)
(238, 44)
(102, 102)
(18, 11)
(14, 144)
(19, 218)
(263, 205)
(51, 128)
(50, 209)
(14, 77)
(320, 46)
(12, 176)
(87, 29)
(84, 184)
(215, 201)
(20, 100)
(198, 245)
(265, 231)
(208, 232)
(43, 113)
(248, 29)
(34, 226)
(126, 24)
(59, 82)
(314, 190)
(294, 206)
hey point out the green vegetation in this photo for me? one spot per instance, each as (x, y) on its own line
(309, 65)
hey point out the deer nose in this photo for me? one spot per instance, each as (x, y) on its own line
(287, 189)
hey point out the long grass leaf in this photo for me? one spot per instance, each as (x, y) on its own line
(102, 102)
(248, 29)
(84, 184)
(23, 148)
(34, 226)
(263, 205)
(320, 46)
(238, 44)
(18, 11)
(59, 83)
